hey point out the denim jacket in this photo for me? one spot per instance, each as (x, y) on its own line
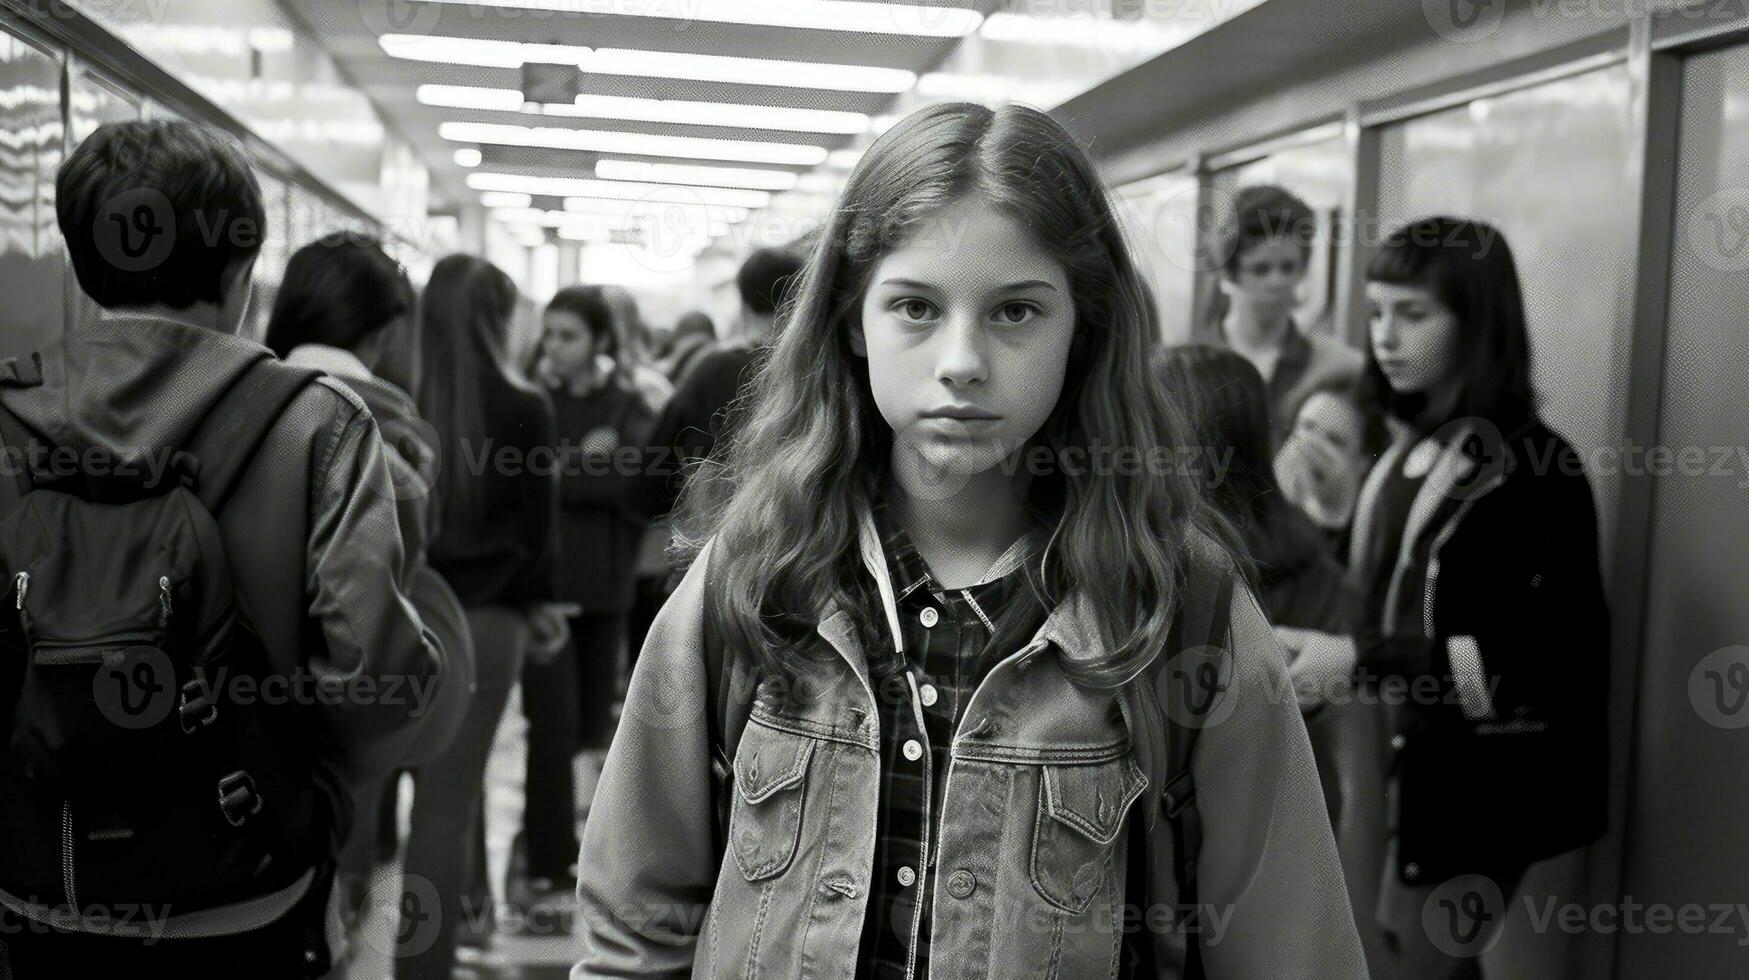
(1032, 852)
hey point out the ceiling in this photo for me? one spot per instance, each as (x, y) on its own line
(350, 29)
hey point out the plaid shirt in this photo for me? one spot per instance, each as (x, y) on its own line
(945, 633)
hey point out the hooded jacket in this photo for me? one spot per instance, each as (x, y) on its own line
(310, 530)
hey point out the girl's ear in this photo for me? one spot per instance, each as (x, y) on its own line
(858, 343)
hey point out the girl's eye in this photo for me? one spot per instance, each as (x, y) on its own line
(913, 309)
(1016, 313)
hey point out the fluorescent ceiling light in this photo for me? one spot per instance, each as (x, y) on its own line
(675, 224)
(648, 64)
(571, 233)
(982, 87)
(857, 16)
(468, 156)
(619, 190)
(641, 144)
(821, 182)
(712, 213)
(676, 173)
(1086, 29)
(480, 52)
(732, 114)
(844, 159)
(505, 199)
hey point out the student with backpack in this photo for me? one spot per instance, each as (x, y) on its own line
(209, 643)
(948, 689)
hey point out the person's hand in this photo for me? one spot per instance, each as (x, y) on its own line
(549, 627)
(1319, 664)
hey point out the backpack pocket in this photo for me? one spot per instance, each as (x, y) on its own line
(771, 777)
(1081, 811)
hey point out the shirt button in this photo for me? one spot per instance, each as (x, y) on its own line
(907, 877)
(929, 695)
(913, 750)
(1398, 741)
(961, 884)
(929, 616)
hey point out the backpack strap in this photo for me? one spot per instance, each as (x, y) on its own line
(238, 423)
(14, 434)
(16, 440)
(726, 711)
(1196, 643)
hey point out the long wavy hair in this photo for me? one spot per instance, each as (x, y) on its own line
(464, 358)
(807, 450)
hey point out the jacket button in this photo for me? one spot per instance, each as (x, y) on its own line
(1398, 741)
(907, 877)
(929, 695)
(961, 884)
(1412, 871)
(913, 750)
(929, 616)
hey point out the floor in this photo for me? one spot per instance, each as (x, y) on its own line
(511, 956)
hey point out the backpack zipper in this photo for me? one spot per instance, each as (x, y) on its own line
(21, 587)
(67, 852)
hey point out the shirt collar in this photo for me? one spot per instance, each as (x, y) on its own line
(334, 360)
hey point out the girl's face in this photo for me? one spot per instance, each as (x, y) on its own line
(570, 345)
(1267, 276)
(1414, 336)
(966, 328)
(1333, 422)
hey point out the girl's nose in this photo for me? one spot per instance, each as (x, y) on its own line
(961, 360)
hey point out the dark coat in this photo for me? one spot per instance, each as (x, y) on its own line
(1496, 607)
(601, 438)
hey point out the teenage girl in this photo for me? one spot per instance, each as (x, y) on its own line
(1484, 629)
(932, 549)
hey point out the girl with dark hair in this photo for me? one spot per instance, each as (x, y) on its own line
(600, 416)
(496, 503)
(930, 614)
(342, 302)
(1476, 540)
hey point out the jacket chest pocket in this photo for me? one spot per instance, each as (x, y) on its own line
(1081, 811)
(771, 779)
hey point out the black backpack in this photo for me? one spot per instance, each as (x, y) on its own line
(1197, 643)
(144, 763)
